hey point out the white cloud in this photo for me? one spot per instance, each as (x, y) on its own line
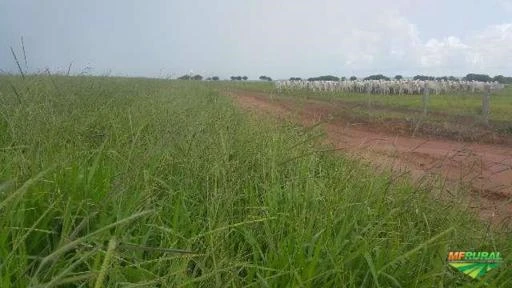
(392, 42)
(506, 4)
(439, 53)
(387, 42)
(492, 47)
(487, 51)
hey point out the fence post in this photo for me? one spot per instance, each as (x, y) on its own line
(369, 92)
(425, 100)
(485, 104)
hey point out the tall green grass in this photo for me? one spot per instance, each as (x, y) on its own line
(109, 182)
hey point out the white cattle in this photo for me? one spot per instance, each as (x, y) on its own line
(391, 87)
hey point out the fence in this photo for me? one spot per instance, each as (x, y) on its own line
(460, 97)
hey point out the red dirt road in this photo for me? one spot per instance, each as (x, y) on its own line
(483, 169)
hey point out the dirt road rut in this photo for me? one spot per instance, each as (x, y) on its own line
(483, 170)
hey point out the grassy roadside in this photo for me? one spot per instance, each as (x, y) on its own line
(110, 180)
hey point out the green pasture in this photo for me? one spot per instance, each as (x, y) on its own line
(118, 182)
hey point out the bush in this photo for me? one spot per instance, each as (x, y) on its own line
(188, 77)
(477, 77)
(502, 79)
(324, 78)
(377, 77)
(423, 78)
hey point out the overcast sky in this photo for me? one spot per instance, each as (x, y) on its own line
(157, 38)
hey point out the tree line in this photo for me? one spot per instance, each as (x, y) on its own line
(239, 78)
(469, 77)
(216, 78)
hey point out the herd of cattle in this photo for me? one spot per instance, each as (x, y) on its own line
(390, 87)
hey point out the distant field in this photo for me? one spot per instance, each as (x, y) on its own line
(461, 109)
(469, 104)
(106, 182)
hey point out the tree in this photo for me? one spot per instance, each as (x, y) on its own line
(343, 78)
(215, 78)
(399, 77)
(184, 77)
(353, 78)
(295, 79)
(188, 77)
(245, 78)
(265, 78)
(499, 78)
(377, 77)
(502, 79)
(324, 78)
(477, 77)
(423, 78)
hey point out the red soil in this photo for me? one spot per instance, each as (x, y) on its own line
(483, 169)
